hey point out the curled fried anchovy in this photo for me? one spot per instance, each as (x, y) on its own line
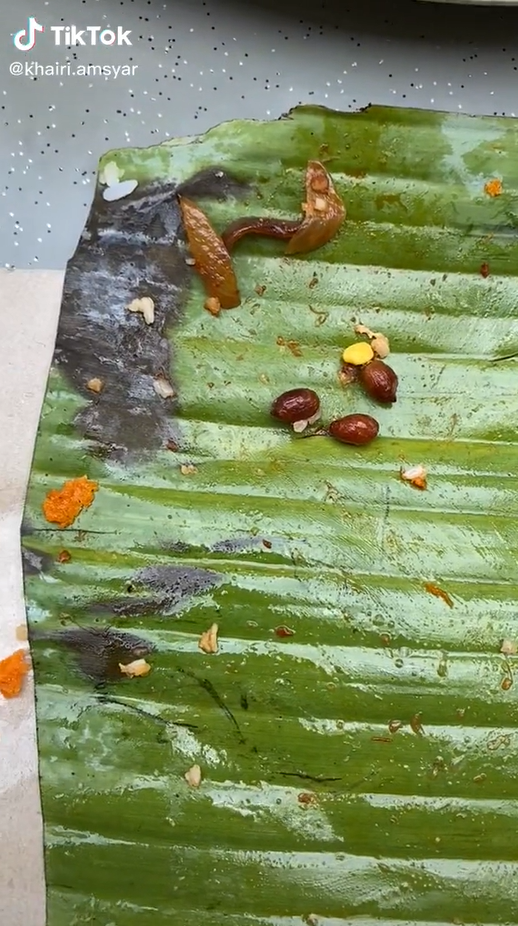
(283, 229)
(323, 212)
(210, 255)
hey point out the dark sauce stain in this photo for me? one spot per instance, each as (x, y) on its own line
(130, 248)
(98, 651)
(169, 587)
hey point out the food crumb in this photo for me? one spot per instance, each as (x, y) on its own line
(362, 329)
(379, 341)
(260, 290)
(507, 683)
(292, 346)
(95, 384)
(212, 305)
(313, 281)
(442, 666)
(415, 475)
(484, 270)
(172, 446)
(208, 642)
(358, 354)
(111, 173)
(12, 671)
(193, 776)
(416, 725)
(135, 669)
(305, 797)
(64, 556)
(508, 648)
(62, 506)
(439, 593)
(188, 469)
(380, 345)
(116, 191)
(163, 388)
(145, 306)
(348, 374)
(394, 726)
(284, 631)
(497, 742)
(493, 187)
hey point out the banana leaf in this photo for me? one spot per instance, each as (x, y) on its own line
(357, 730)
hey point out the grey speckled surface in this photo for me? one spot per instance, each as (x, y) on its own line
(199, 62)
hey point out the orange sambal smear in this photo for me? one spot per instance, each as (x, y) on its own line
(62, 506)
(493, 187)
(12, 671)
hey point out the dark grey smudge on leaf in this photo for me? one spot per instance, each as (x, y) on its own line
(170, 586)
(33, 563)
(213, 183)
(238, 545)
(230, 545)
(130, 248)
(177, 582)
(99, 650)
(178, 546)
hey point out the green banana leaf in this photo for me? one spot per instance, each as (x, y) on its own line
(356, 733)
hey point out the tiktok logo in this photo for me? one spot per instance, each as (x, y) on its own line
(25, 39)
